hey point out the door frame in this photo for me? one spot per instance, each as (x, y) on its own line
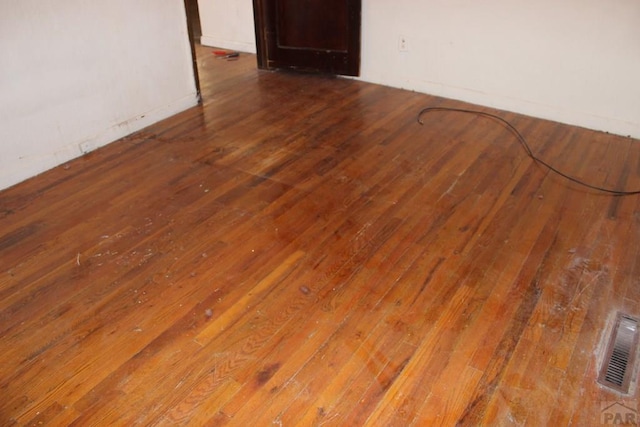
(192, 44)
(263, 41)
(259, 18)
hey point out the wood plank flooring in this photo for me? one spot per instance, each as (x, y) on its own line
(298, 250)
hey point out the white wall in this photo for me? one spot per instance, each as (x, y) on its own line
(573, 61)
(228, 24)
(77, 72)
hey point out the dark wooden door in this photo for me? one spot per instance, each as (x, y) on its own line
(309, 35)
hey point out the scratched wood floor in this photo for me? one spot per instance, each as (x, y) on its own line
(298, 250)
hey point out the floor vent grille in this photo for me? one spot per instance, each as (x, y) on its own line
(617, 367)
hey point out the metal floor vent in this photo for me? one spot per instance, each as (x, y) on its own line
(617, 367)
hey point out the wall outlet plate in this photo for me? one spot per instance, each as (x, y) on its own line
(403, 44)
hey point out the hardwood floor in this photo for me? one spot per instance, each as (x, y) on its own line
(299, 251)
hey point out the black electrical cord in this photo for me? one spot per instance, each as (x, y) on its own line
(526, 147)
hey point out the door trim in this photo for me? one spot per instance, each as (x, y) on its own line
(261, 34)
(192, 44)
